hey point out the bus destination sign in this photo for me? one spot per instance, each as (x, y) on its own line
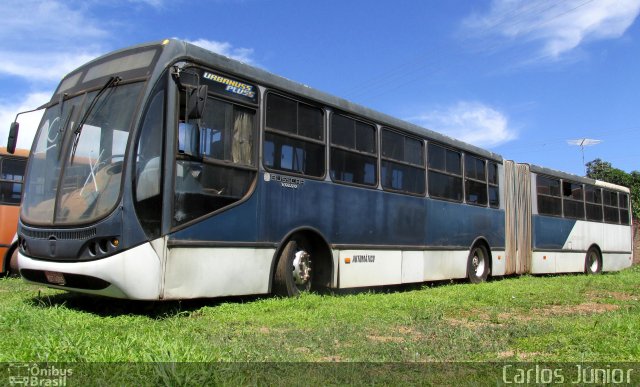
(231, 87)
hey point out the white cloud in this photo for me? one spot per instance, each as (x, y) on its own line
(472, 122)
(226, 49)
(557, 27)
(28, 122)
(62, 23)
(151, 3)
(42, 67)
(44, 40)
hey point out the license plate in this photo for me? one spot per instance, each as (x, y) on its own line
(54, 277)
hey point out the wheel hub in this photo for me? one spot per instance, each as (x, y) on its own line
(478, 265)
(593, 262)
(301, 267)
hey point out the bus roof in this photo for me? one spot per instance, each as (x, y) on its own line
(578, 179)
(176, 49)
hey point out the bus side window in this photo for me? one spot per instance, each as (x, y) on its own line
(549, 196)
(445, 173)
(573, 200)
(148, 198)
(294, 138)
(475, 180)
(494, 190)
(221, 168)
(353, 151)
(402, 165)
(12, 172)
(624, 209)
(611, 214)
(593, 197)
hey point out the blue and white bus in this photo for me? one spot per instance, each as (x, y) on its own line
(165, 171)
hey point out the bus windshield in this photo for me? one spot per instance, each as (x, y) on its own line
(76, 168)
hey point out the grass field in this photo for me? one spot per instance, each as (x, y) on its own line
(564, 318)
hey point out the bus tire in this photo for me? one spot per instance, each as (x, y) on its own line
(293, 274)
(12, 265)
(593, 261)
(478, 264)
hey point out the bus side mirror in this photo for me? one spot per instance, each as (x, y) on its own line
(13, 137)
(189, 139)
(197, 102)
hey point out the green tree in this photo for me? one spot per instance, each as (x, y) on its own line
(603, 170)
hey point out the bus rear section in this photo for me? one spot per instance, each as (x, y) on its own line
(562, 223)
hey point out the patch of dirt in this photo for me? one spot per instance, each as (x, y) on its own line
(269, 331)
(505, 354)
(331, 358)
(619, 296)
(385, 339)
(481, 321)
(584, 308)
(413, 334)
(405, 334)
(508, 317)
(341, 344)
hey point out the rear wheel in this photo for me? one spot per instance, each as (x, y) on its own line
(294, 270)
(593, 261)
(478, 264)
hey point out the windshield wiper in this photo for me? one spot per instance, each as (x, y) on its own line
(78, 130)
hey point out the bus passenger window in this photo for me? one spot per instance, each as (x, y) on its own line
(445, 173)
(227, 133)
(549, 200)
(611, 213)
(475, 180)
(573, 200)
(494, 191)
(624, 209)
(294, 137)
(402, 166)
(353, 151)
(593, 198)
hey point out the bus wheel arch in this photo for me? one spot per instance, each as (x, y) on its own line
(479, 261)
(593, 260)
(302, 253)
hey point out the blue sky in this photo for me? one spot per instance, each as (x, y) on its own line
(518, 77)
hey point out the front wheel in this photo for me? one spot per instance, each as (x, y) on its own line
(478, 264)
(12, 267)
(293, 272)
(593, 261)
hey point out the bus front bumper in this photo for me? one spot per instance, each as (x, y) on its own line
(133, 274)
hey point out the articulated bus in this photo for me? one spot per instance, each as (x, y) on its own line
(165, 171)
(12, 168)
